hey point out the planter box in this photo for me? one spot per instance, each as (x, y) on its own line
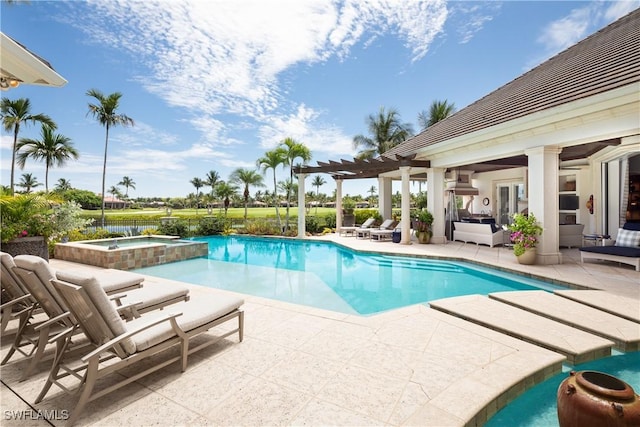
(27, 246)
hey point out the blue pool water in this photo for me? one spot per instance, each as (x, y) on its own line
(328, 276)
(537, 406)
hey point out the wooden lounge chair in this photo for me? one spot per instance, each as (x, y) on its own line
(122, 344)
(35, 275)
(351, 230)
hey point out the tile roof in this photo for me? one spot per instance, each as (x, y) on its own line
(606, 60)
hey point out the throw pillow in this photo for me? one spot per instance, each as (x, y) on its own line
(628, 238)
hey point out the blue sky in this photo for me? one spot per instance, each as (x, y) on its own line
(212, 85)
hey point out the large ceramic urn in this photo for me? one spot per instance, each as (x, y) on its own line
(594, 399)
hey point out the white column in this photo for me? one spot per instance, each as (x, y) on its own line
(405, 221)
(338, 205)
(384, 199)
(543, 201)
(435, 203)
(301, 206)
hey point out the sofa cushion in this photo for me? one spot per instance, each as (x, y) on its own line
(628, 238)
(613, 250)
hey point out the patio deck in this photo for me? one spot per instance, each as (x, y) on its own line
(304, 366)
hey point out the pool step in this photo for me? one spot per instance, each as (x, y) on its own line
(576, 345)
(628, 308)
(624, 333)
(421, 265)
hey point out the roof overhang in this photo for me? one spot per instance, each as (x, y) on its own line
(18, 64)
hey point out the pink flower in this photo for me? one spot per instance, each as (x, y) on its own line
(24, 233)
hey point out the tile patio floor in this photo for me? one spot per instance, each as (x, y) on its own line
(305, 366)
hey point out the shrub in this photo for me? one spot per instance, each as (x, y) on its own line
(174, 228)
(330, 220)
(312, 224)
(364, 214)
(261, 227)
(212, 225)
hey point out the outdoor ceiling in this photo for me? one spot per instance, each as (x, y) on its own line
(19, 64)
(360, 169)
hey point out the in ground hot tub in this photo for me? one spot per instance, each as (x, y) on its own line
(125, 253)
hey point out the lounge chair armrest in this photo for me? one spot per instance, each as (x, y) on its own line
(53, 321)
(67, 332)
(117, 298)
(14, 301)
(109, 344)
(130, 310)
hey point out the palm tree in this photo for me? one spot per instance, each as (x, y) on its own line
(55, 149)
(293, 150)
(212, 179)
(386, 132)
(318, 181)
(28, 182)
(127, 183)
(247, 178)
(14, 114)
(105, 113)
(198, 183)
(63, 185)
(115, 194)
(439, 110)
(271, 160)
(224, 191)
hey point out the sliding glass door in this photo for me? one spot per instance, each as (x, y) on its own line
(510, 199)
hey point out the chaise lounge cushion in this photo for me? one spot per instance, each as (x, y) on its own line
(613, 250)
(195, 313)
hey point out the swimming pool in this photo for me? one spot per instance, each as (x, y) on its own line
(537, 406)
(328, 276)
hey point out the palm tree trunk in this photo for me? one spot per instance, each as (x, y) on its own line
(13, 155)
(275, 198)
(104, 169)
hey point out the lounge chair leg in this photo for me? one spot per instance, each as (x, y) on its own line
(185, 353)
(89, 382)
(241, 326)
(35, 358)
(61, 347)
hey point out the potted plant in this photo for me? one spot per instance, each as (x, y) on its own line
(524, 236)
(424, 221)
(348, 207)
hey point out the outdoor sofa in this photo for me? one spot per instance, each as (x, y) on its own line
(479, 233)
(626, 249)
(570, 235)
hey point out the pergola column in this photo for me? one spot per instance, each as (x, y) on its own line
(302, 232)
(384, 200)
(338, 205)
(405, 221)
(543, 200)
(435, 203)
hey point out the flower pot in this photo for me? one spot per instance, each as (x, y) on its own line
(528, 257)
(590, 398)
(36, 245)
(424, 236)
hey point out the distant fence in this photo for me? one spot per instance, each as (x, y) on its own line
(136, 226)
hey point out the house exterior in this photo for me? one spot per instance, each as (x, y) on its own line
(563, 134)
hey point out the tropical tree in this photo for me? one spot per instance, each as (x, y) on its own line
(386, 131)
(105, 112)
(318, 181)
(271, 160)
(198, 183)
(115, 194)
(14, 114)
(28, 182)
(372, 193)
(62, 185)
(55, 149)
(439, 110)
(293, 150)
(247, 178)
(127, 183)
(225, 191)
(212, 179)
